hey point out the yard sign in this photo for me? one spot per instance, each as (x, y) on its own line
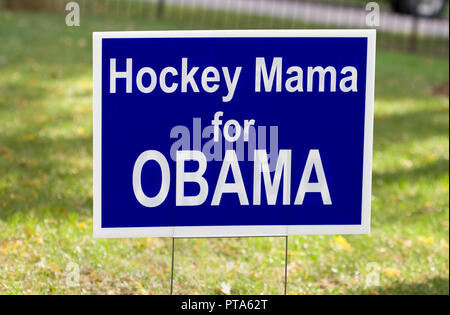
(233, 133)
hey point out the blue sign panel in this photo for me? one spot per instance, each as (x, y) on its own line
(232, 133)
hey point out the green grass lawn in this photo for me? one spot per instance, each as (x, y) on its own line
(46, 186)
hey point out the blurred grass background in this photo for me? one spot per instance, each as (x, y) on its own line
(46, 183)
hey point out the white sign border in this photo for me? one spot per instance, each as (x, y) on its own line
(234, 231)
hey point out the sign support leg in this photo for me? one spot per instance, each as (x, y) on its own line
(171, 272)
(286, 264)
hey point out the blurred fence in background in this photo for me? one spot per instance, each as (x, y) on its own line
(400, 23)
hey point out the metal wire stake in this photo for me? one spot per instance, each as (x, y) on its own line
(171, 273)
(285, 266)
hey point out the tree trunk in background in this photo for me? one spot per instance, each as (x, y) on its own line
(160, 9)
